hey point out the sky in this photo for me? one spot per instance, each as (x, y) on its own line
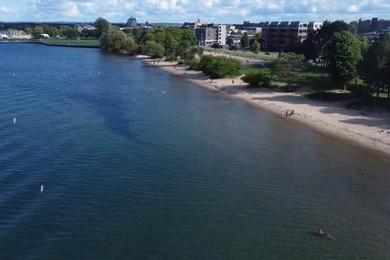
(218, 11)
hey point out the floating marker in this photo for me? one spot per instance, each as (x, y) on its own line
(163, 92)
(41, 188)
(99, 73)
(13, 74)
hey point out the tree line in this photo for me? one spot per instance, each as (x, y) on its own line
(169, 42)
(62, 31)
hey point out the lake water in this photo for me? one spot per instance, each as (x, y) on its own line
(178, 174)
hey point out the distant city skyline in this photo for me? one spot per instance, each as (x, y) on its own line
(178, 11)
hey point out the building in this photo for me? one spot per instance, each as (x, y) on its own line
(210, 34)
(190, 25)
(18, 35)
(87, 27)
(3, 35)
(374, 36)
(373, 25)
(132, 22)
(284, 36)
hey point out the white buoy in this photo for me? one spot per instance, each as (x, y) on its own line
(164, 92)
(14, 74)
(14, 120)
(99, 73)
(41, 188)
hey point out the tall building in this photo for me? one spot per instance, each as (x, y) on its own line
(210, 34)
(284, 36)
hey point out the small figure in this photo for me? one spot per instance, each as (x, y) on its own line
(233, 81)
(41, 188)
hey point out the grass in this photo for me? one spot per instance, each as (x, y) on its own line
(246, 54)
(73, 43)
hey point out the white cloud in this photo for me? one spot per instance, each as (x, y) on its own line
(353, 8)
(186, 10)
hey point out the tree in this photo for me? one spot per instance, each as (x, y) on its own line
(344, 53)
(315, 47)
(219, 67)
(287, 66)
(154, 49)
(387, 76)
(257, 79)
(373, 68)
(117, 41)
(353, 27)
(245, 41)
(255, 47)
(102, 26)
(229, 41)
(37, 31)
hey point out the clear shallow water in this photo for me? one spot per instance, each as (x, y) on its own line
(183, 175)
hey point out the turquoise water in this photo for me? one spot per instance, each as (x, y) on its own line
(187, 174)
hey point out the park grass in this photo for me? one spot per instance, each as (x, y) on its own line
(73, 43)
(312, 77)
(246, 54)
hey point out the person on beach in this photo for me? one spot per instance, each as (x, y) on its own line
(233, 81)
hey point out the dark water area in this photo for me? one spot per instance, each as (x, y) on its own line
(180, 173)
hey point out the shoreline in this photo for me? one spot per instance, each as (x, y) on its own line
(49, 44)
(359, 128)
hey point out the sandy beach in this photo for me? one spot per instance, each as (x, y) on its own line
(359, 127)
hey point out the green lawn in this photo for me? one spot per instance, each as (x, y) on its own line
(73, 43)
(246, 54)
(312, 77)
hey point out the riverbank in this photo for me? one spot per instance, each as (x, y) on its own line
(362, 127)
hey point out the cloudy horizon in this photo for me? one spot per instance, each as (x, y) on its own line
(221, 11)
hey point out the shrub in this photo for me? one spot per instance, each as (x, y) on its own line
(258, 79)
(219, 67)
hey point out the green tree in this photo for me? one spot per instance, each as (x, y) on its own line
(245, 41)
(344, 53)
(257, 79)
(287, 66)
(373, 68)
(117, 41)
(102, 26)
(353, 27)
(255, 47)
(154, 49)
(317, 43)
(37, 31)
(219, 67)
(229, 41)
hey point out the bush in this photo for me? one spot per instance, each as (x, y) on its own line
(258, 79)
(219, 67)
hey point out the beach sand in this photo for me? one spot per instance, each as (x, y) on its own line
(363, 128)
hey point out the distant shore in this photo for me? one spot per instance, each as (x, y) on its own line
(368, 129)
(61, 43)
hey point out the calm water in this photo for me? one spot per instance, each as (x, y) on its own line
(183, 175)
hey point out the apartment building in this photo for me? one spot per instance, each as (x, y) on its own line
(210, 34)
(284, 36)
(373, 25)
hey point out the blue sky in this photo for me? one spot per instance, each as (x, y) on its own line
(222, 11)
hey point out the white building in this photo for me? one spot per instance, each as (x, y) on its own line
(18, 35)
(221, 34)
(3, 35)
